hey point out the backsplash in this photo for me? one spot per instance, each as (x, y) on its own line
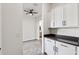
(67, 31)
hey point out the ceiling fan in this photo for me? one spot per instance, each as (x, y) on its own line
(30, 12)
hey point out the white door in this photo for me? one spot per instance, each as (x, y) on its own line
(70, 13)
(49, 46)
(65, 49)
(58, 16)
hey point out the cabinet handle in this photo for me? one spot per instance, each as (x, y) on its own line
(56, 50)
(53, 23)
(64, 23)
(64, 45)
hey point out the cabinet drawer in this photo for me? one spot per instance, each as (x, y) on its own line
(65, 49)
(65, 44)
(49, 40)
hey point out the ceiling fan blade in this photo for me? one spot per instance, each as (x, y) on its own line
(31, 10)
(35, 12)
(25, 10)
(27, 13)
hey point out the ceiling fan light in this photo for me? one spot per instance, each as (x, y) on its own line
(30, 14)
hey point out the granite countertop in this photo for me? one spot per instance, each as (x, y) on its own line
(62, 38)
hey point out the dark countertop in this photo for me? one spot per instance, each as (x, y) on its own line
(62, 38)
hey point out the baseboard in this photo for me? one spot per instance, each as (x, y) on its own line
(30, 40)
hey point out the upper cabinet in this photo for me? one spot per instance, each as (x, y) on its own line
(52, 24)
(70, 15)
(65, 15)
(58, 16)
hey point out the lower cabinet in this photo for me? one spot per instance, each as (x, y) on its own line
(53, 47)
(0, 52)
(65, 49)
(77, 50)
(49, 46)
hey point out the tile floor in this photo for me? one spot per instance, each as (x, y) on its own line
(32, 47)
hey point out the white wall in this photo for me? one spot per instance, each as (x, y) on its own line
(29, 28)
(46, 18)
(30, 23)
(12, 28)
(38, 20)
(0, 25)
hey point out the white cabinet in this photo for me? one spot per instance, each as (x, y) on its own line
(59, 48)
(49, 46)
(65, 15)
(52, 22)
(58, 16)
(65, 49)
(77, 50)
(0, 52)
(70, 14)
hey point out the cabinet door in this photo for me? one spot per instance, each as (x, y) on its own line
(58, 16)
(65, 49)
(52, 24)
(0, 52)
(70, 14)
(49, 44)
(77, 50)
(0, 25)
